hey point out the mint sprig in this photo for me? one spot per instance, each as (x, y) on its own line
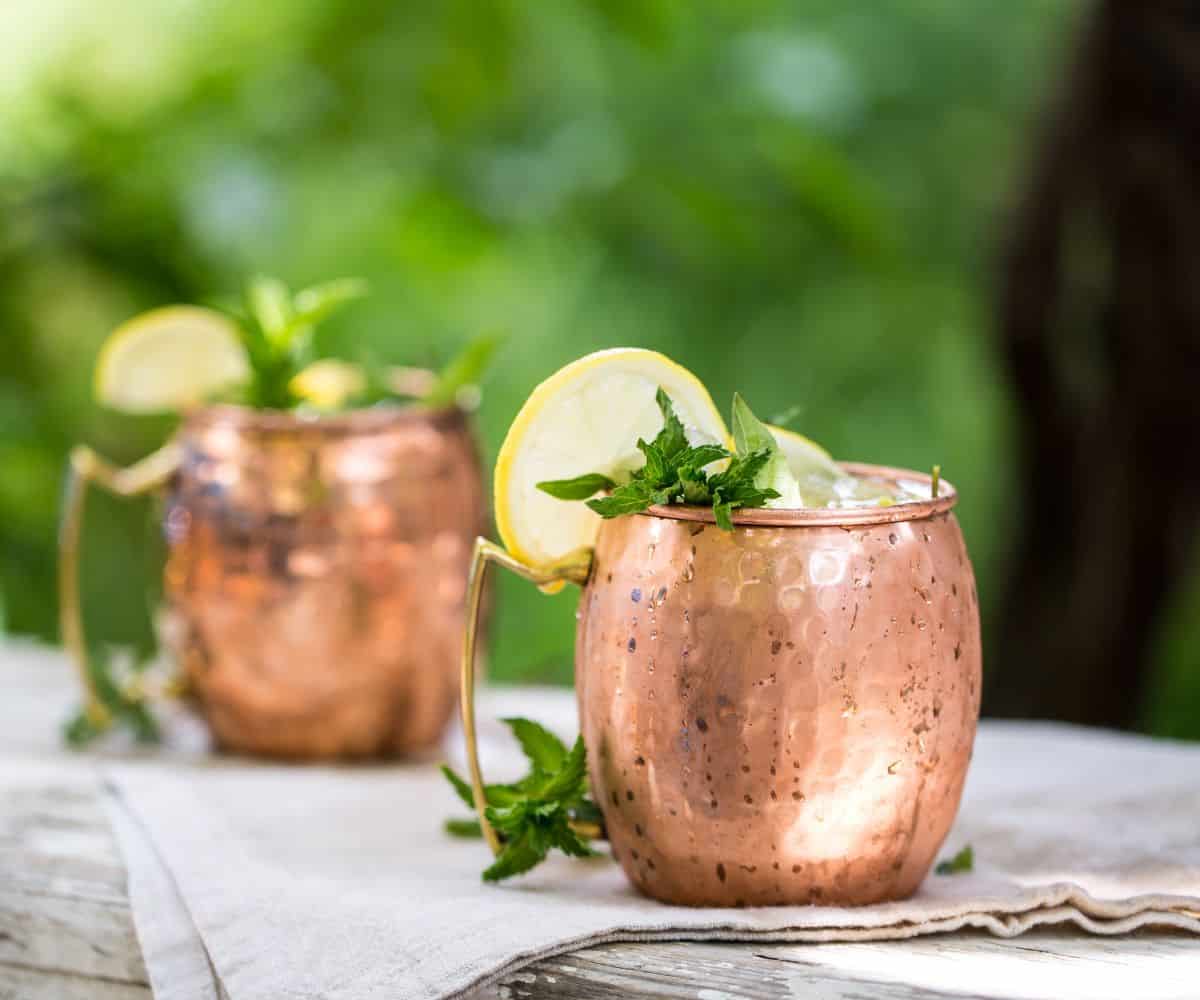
(963, 861)
(464, 370)
(538, 813)
(276, 330)
(675, 472)
(751, 435)
(579, 488)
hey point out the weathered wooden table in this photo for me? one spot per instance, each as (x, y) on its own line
(66, 930)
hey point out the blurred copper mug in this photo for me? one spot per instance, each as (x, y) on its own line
(783, 713)
(316, 572)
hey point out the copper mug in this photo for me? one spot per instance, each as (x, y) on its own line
(780, 714)
(316, 572)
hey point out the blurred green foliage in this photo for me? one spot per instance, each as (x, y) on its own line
(796, 200)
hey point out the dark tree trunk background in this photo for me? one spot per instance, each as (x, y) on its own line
(1099, 323)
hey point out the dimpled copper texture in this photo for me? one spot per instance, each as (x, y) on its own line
(316, 576)
(783, 713)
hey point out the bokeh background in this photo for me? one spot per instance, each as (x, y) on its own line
(804, 201)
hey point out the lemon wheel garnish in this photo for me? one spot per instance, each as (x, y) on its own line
(804, 456)
(170, 358)
(586, 418)
(329, 384)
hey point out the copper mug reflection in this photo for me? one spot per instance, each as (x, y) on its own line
(783, 713)
(315, 575)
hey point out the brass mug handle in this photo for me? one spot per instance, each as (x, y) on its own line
(84, 468)
(573, 568)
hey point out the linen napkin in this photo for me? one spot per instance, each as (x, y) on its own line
(338, 882)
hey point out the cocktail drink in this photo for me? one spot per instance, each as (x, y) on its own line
(777, 656)
(315, 576)
(318, 538)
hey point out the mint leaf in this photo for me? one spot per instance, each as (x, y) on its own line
(671, 440)
(675, 472)
(318, 302)
(749, 433)
(735, 487)
(466, 368)
(569, 783)
(524, 851)
(546, 752)
(657, 468)
(694, 487)
(570, 843)
(736, 484)
(629, 499)
(705, 454)
(270, 303)
(586, 811)
(963, 861)
(460, 786)
(277, 331)
(740, 472)
(535, 814)
(579, 488)
(494, 795)
(122, 706)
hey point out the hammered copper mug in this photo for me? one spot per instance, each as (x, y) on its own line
(779, 714)
(316, 572)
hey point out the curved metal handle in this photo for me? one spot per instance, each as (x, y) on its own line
(84, 468)
(573, 568)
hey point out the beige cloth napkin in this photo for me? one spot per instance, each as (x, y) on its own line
(338, 883)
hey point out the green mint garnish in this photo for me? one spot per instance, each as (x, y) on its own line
(963, 861)
(276, 329)
(579, 488)
(119, 704)
(535, 814)
(675, 472)
(751, 434)
(464, 369)
(468, 828)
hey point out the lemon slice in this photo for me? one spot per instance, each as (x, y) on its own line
(585, 418)
(168, 359)
(329, 384)
(804, 456)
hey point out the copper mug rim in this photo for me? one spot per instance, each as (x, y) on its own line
(911, 510)
(381, 416)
